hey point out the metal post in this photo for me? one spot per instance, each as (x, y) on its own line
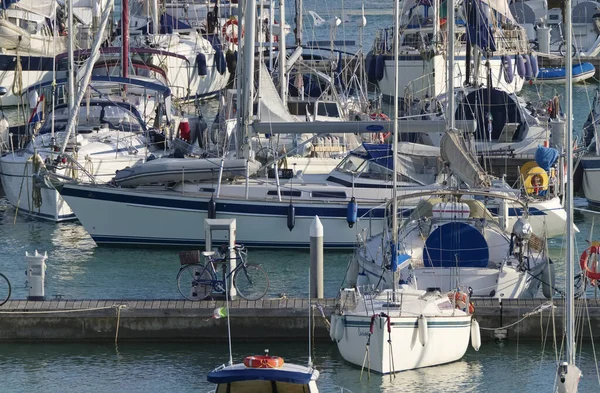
(316, 259)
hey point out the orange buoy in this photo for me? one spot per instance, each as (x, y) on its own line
(263, 361)
(584, 259)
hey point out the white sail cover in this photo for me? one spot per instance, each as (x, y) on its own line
(462, 163)
(45, 8)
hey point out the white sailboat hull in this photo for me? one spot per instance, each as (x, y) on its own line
(261, 219)
(447, 342)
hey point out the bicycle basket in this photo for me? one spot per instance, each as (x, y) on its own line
(189, 257)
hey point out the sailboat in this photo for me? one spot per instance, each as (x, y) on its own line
(568, 372)
(403, 328)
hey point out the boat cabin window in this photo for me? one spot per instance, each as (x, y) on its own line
(92, 118)
(351, 164)
(261, 387)
(285, 193)
(329, 109)
(329, 194)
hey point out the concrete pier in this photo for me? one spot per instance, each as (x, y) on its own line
(271, 319)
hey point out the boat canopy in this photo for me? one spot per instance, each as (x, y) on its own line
(416, 163)
(259, 374)
(496, 108)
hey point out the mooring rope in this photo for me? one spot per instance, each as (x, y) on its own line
(535, 311)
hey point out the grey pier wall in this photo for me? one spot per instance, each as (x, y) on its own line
(268, 320)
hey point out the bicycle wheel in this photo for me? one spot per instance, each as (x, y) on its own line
(5, 289)
(194, 282)
(251, 282)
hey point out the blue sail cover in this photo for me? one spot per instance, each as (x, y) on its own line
(479, 32)
(545, 157)
(456, 244)
(7, 3)
(381, 154)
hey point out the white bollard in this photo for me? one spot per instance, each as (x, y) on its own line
(36, 274)
(316, 259)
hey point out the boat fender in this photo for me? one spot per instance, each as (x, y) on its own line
(263, 361)
(371, 63)
(352, 213)
(212, 208)
(548, 280)
(332, 325)
(528, 69)
(507, 67)
(379, 67)
(231, 60)
(475, 335)
(184, 130)
(201, 64)
(535, 69)
(593, 273)
(521, 66)
(291, 217)
(220, 62)
(423, 331)
(340, 328)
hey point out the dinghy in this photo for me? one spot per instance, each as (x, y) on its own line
(558, 75)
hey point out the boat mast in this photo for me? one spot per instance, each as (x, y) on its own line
(248, 72)
(568, 372)
(282, 53)
(125, 38)
(570, 312)
(71, 59)
(450, 68)
(395, 142)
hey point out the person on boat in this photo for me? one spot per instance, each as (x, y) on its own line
(537, 183)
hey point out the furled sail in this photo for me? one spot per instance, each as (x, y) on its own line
(461, 162)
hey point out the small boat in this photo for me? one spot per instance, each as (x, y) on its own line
(264, 374)
(557, 75)
(403, 329)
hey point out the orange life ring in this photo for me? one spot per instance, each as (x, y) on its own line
(584, 259)
(382, 136)
(263, 361)
(233, 37)
(461, 300)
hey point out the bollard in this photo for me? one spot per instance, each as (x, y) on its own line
(36, 274)
(316, 259)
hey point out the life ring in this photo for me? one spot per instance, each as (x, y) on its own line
(233, 35)
(584, 259)
(381, 136)
(461, 300)
(263, 361)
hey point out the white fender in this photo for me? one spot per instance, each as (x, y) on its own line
(333, 323)
(475, 335)
(339, 328)
(423, 333)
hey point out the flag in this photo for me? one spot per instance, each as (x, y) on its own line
(220, 312)
(37, 113)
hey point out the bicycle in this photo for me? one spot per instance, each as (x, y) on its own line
(5, 289)
(196, 281)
